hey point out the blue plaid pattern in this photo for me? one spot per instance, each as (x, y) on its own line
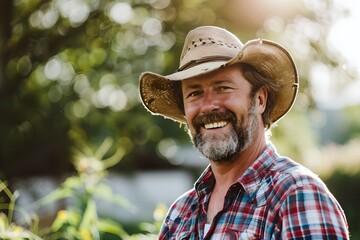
(276, 198)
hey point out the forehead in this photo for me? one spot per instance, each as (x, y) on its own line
(232, 75)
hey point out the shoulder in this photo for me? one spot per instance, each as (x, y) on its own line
(305, 205)
(295, 189)
(287, 178)
(292, 174)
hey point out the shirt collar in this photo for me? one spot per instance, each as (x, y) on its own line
(250, 180)
(254, 175)
(205, 183)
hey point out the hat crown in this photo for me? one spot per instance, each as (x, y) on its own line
(209, 42)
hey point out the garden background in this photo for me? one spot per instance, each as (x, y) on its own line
(80, 157)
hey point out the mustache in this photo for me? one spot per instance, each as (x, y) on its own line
(201, 120)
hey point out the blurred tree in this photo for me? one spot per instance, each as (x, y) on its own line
(69, 71)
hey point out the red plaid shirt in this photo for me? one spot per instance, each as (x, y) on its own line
(275, 198)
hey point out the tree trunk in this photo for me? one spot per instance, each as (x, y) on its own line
(6, 11)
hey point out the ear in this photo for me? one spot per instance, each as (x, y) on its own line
(261, 99)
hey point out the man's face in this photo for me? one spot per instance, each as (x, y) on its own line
(221, 117)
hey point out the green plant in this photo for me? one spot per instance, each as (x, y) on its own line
(8, 228)
(80, 220)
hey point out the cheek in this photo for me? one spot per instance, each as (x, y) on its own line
(190, 114)
(190, 111)
(238, 105)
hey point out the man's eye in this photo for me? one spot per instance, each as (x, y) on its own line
(222, 88)
(194, 94)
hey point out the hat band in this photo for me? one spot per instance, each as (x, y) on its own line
(193, 63)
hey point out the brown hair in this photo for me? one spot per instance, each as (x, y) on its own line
(257, 81)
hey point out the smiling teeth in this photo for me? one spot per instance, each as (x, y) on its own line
(215, 125)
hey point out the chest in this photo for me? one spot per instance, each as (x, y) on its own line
(238, 218)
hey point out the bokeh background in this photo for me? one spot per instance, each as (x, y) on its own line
(69, 99)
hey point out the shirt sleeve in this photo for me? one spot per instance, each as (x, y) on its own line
(164, 232)
(311, 212)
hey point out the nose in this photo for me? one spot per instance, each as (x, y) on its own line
(210, 103)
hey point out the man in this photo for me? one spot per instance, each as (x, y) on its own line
(229, 95)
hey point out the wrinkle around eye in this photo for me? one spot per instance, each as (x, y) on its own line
(225, 90)
(193, 94)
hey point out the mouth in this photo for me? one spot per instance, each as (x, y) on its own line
(213, 121)
(215, 125)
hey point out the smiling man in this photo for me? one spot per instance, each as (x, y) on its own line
(229, 95)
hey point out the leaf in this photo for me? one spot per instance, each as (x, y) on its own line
(90, 215)
(67, 190)
(85, 152)
(60, 220)
(90, 220)
(109, 226)
(118, 199)
(114, 159)
(3, 222)
(54, 196)
(105, 192)
(72, 182)
(104, 148)
(148, 227)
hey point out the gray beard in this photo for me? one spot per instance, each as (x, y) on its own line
(226, 147)
(218, 148)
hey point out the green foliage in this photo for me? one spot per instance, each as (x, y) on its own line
(8, 228)
(69, 224)
(80, 221)
(71, 68)
(76, 77)
(69, 76)
(346, 188)
(295, 124)
(352, 115)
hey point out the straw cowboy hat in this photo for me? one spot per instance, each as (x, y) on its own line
(208, 48)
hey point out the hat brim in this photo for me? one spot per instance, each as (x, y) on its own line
(161, 94)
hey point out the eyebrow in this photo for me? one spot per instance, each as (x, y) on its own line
(215, 82)
(193, 86)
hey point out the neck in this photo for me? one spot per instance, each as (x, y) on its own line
(228, 173)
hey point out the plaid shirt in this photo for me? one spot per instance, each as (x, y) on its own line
(275, 198)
